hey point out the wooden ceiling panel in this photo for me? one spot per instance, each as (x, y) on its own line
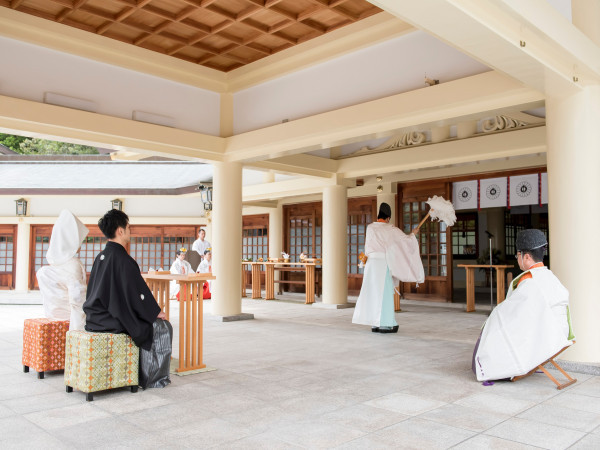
(220, 34)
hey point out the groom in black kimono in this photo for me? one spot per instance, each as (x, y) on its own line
(118, 300)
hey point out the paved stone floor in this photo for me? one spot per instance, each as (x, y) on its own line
(303, 377)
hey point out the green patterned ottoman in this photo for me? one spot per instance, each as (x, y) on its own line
(99, 361)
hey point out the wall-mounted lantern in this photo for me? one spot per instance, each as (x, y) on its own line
(117, 204)
(206, 196)
(21, 205)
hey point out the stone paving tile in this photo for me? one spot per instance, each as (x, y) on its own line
(563, 417)
(417, 433)
(69, 415)
(364, 418)
(107, 432)
(25, 405)
(572, 400)
(19, 428)
(483, 442)
(536, 433)
(444, 390)
(463, 417)
(316, 434)
(490, 402)
(206, 433)
(259, 442)
(589, 387)
(405, 404)
(589, 442)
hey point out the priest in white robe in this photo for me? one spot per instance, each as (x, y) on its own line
(532, 324)
(63, 282)
(392, 257)
(179, 267)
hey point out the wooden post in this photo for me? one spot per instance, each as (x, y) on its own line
(470, 289)
(256, 280)
(310, 283)
(269, 281)
(397, 299)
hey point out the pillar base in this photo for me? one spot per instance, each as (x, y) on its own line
(322, 305)
(234, 318)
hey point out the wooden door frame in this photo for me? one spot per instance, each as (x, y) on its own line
(11, 229)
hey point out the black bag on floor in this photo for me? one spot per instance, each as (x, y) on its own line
(155, 364)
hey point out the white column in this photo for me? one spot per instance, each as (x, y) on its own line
(227, 238)
(335, 245)
(573, 186)
(22, 262)
(276, 232)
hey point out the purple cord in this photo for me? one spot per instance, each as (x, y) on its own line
(488, 383)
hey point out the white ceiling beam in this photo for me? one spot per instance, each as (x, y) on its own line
(528, 40)
(486, 147)
(301, 164)
(35, 119)
(284, 189)
(466, 97)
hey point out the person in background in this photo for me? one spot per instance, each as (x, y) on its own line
(391, 256)
(532, 324)
(206, 267)
(63, 282)
(179, 267)
(200, 245)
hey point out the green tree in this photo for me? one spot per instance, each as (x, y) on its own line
(45, 147)
(11, 141)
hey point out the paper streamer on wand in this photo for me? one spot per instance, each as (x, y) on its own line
(441, 210)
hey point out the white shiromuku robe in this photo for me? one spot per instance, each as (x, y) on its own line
(179, 268)
(392, 257)
(63, 282)
(200, 246)
(526, 329)
(206, 267)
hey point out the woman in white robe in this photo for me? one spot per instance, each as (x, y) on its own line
(392, 257)
(179, 267)
(63, 282)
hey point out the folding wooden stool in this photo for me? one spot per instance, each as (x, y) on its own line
(541, 367)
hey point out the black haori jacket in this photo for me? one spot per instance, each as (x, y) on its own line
(118, 299)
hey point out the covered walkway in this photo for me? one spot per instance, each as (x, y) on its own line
(302, 377)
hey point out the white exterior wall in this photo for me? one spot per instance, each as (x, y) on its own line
(115, 91)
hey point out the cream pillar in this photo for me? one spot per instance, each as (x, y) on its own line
(573, 186)
(22, 262)
(227, 240)
(335, 246)
(276, 232)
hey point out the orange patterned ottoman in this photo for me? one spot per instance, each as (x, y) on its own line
(99, 361)
(44, 345)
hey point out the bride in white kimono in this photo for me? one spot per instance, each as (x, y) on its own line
(179, 267)
(63, 282)
(392, 256)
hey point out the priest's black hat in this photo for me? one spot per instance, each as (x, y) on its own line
(385, 210)
(530, 240)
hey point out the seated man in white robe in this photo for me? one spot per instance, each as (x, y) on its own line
(63, 282)
(392, 256)
(179, 267)
(532, 324)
